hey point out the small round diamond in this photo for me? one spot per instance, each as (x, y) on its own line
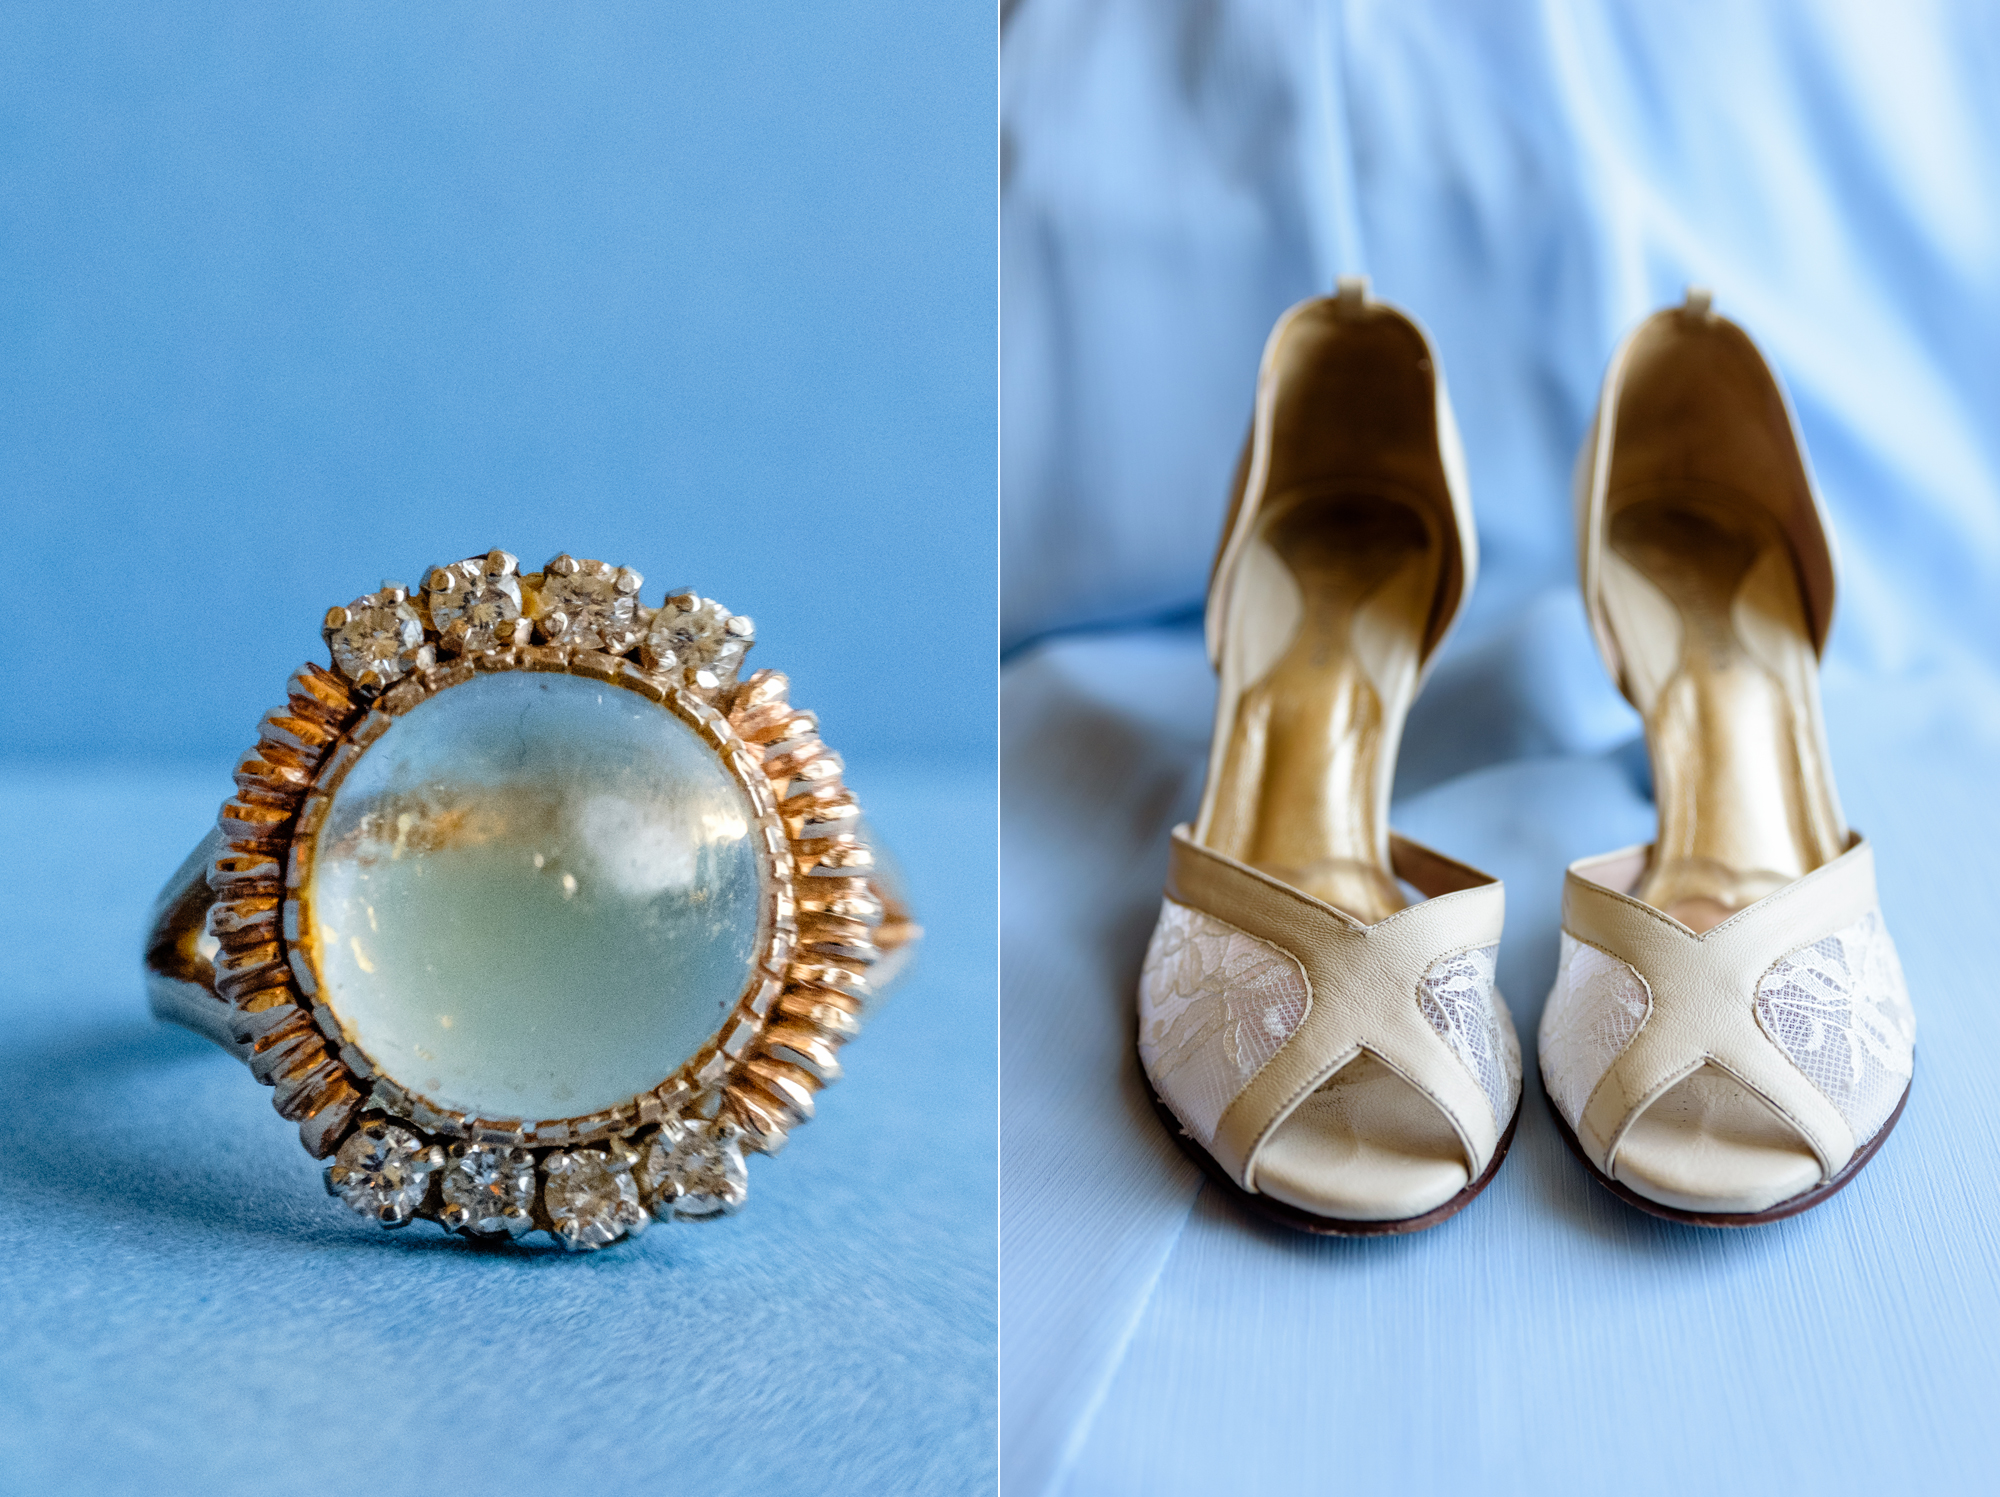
(378, 638)
(383, 1171)
(694, 1170)
(489, 1190)
(591, 1196)
(475, 604)
(590, 605)
(697, 640)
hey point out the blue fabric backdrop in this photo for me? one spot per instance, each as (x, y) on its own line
(295, 298)
(1529, 180)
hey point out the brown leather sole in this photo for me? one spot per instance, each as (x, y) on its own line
(1779, 1212)
(1326, 1226)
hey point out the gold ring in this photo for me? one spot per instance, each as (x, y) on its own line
(533, 913)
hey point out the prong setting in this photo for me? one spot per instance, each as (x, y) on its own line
(488, 1190)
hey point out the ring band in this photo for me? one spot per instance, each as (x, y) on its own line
(531, 912)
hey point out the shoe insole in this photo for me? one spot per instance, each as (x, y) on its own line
(1330, 644)
(1303, 788)
(1367, 1146)
(1709, 1145)
(1710, 620)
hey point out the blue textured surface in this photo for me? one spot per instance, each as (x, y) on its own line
(183, 1310)
(1529, 181)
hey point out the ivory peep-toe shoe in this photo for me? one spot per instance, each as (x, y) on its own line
(1729, 1038)
(1335, 1055)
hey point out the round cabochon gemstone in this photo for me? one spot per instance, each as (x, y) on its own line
(535, 896)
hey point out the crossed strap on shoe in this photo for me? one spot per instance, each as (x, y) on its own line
(1797, 997)
(1315, 990)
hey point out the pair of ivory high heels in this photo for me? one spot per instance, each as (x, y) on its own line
(1729, 1037)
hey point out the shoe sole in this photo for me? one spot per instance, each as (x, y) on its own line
(1779, 1212)
(1327, 1226)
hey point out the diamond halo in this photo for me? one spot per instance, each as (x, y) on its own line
(673, 1154)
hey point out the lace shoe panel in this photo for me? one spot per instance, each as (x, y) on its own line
(1458, 997)
(1597, 1005)
(1841, 1010)
(1215, 1004)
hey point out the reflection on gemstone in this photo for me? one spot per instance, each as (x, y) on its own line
(535, 896)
